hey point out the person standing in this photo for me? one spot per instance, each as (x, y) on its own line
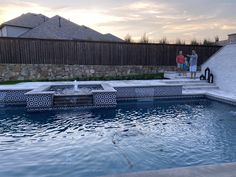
(180, 62)
(193, 64)
(186, 66)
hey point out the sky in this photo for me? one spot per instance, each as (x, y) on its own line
(173, 19)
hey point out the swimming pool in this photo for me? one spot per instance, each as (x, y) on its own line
(134, 136)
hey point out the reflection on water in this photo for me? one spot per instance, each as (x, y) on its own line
(135, 136)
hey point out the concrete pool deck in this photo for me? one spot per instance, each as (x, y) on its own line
(218, 170)
(190, 86)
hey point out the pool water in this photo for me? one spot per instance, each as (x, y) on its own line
(135, 136)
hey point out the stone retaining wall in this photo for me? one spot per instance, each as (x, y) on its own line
(58, 72)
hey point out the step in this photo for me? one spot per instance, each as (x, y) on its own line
(200, 87)
(185, 81)
(198, 84)
(173, 75)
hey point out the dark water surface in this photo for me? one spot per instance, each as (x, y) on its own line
(135, 136)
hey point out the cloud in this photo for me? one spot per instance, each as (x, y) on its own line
(174, 18)
(12, 8)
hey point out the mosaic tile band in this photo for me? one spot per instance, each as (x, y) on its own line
(134, 92)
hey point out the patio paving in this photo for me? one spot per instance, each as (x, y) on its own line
(219, 170)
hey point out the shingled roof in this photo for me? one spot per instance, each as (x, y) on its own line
(111, 37)
(60, 28)
(28, 20)
(57, 27)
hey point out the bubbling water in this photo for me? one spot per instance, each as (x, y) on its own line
(75, 89)
(75, 86)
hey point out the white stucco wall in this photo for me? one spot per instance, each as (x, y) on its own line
(12, 31)
(232, 38)
(223, 67)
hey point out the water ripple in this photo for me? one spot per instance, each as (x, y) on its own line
(133, 137)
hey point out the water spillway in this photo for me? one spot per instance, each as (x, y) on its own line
(73, 100)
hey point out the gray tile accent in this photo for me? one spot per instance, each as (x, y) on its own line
(153, 91)
(125, 92)
(168, 91)
(145, 92)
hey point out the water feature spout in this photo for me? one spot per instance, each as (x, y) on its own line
(75, 86)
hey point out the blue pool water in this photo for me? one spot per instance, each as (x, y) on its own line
(135, 136)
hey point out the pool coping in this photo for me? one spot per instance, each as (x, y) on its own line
(185, 96)
(217, 95)
(215, 170)
(43, 89)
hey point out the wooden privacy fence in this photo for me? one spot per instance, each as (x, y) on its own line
(39, 51)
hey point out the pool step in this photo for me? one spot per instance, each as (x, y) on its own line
(194, 84)
(209, 86)
(176, 75)
(189, 81)
(73, 100)
(198, 85)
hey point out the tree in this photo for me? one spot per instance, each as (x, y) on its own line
(178, 41)
(217, 39)
(163, 41)
(144, 39)
(207, 42)
(128, 38)
(194, 42)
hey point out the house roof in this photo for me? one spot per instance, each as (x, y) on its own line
(111, 37)
(56, 27)
(60, 28)
(28, 20)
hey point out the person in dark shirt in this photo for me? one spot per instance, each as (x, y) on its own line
(193, 64)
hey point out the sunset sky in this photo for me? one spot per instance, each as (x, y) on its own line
(185, 19)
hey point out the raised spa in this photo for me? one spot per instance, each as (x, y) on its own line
(63, 95)
(68, 95)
